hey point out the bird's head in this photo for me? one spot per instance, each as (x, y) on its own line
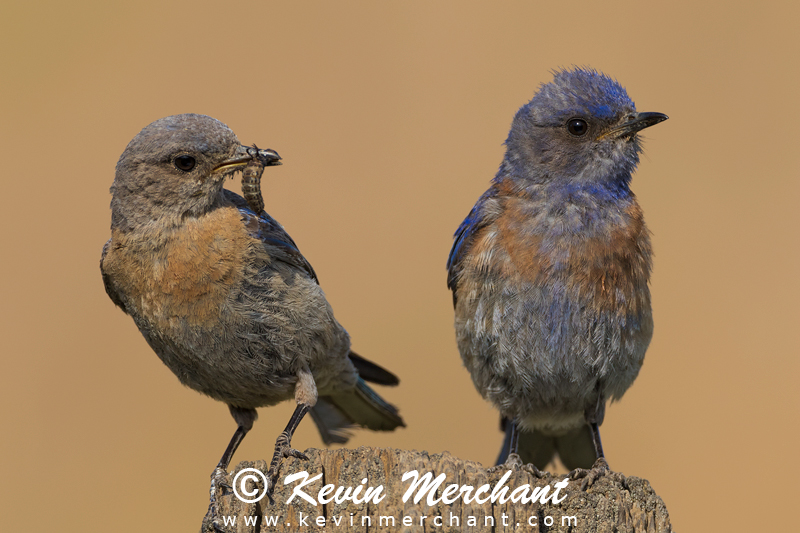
(581, 128)
(175, 167)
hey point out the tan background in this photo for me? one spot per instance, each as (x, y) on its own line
(390, 118)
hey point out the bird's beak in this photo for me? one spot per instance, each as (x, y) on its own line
(245, 154)
(633, 123)
(240, 158)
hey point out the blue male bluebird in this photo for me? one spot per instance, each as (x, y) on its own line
(222, 294)
(550, 270)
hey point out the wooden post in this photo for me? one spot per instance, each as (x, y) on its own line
(611, 504)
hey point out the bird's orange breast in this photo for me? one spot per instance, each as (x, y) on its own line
(185, 273)
(610, 269)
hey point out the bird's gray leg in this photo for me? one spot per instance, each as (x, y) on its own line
(594, 416)
(305, 394)
(594, 427)
(219, 478)
(513, 460)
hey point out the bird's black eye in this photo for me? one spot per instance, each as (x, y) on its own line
(185, 162)
(577, 127)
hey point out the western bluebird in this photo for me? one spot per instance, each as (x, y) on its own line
(222, 294)
(550, 269)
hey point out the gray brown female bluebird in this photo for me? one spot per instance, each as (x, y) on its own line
(222, 294)
(550, 271)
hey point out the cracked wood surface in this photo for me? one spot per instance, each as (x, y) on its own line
(610, 505)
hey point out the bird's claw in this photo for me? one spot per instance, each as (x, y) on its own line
(599, 469)
(283, 450)
(533, 470)
(291, 452)
(211, 521)
(219, 480)
(213, 525)
(514, 462)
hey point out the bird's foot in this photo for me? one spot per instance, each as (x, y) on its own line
(599, 469)
(532, 470)
(283, 449)
(514, 462)
(219, 478)
(211, 522)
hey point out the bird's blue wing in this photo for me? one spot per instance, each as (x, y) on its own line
(271, 233)
(463, 241)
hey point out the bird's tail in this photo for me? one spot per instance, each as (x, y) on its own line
(575, 449)
(372, 372)
(337, 414)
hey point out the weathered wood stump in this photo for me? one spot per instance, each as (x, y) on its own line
(611, 504)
